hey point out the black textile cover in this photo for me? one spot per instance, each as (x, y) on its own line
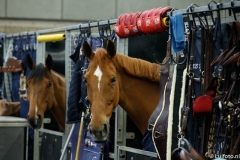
(51, 146)
(78, 91)
(74, 107)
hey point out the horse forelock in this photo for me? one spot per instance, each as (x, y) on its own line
(101, 55)
(101, 59)
(38, 72)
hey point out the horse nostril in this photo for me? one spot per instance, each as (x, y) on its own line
(99, 133)
(38, 120)
(105, 127)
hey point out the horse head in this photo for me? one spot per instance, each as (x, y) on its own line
(102, 88)
(39, 90)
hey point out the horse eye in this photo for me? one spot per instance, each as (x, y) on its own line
(113, 80)
(48, 85)
(26, 86)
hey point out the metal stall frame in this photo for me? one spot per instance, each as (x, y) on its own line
(8, 121)
(121, 135)
(40, 58)
(122, 47)
(214, 7)
(120, 115)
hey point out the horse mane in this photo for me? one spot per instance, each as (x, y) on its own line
(139, 68)
(38, 72)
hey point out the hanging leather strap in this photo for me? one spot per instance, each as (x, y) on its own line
(234, 43)
(235, 147)
(164, 73)
(229, 46)
(164, 77)
(186, 108)
(208, 58)
(159, 134)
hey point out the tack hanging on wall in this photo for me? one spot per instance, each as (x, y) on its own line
(51, 37)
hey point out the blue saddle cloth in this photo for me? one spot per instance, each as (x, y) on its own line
(147, 143)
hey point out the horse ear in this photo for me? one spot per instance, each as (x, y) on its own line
(87, 50)
(111, 49)
(49, 62)
(30, 62)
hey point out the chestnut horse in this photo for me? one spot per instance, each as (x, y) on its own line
(45, 90)
(113, 79)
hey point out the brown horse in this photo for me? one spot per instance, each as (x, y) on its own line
(45, 90)
(113, 79)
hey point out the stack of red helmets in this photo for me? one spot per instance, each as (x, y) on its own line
(126, 25)
(150, 21)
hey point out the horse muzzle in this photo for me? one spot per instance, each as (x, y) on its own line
(99, 136)
(35, 123)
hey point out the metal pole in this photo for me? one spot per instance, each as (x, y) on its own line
(214, 7)
(27, 142)
(79, 137)
(67, 141)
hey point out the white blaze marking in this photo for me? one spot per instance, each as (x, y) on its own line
(36, 109)
(98, 73)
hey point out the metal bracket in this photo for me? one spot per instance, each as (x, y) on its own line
(46, 120)
(130, 135)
